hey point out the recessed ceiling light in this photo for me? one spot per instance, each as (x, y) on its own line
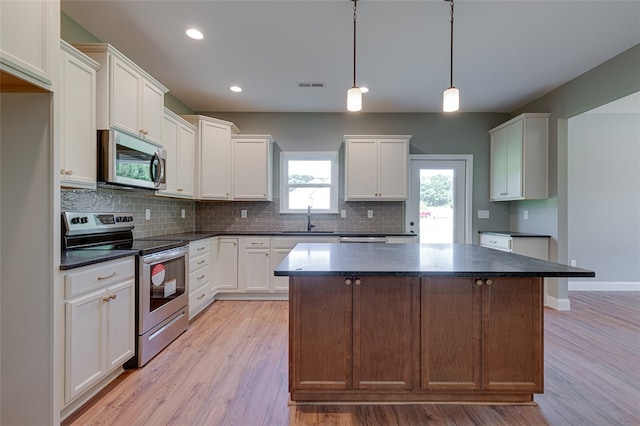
(194, 34)
(236, 89)
(364, 89)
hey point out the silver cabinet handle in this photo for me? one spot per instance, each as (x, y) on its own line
(108, 276)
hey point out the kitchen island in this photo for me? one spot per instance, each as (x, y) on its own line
(415, 323)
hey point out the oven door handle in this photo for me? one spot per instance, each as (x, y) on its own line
(166, 255)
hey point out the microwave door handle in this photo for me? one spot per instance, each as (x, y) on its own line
(156, 178)
(161, 174)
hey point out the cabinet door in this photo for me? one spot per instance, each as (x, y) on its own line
(451, 330)
(27, 33)
(361, 169)
(251, 169)
(125, 97)
(78, 123)
(383, 349)
(392, 177)
(512, 335)
(170, 136)
(254, 270)
(227, 264)
(320, 340)
(121, 324)
(514, 140)
(152, 111)
(84, 339)
(186, 160)
(498, 166)
(215, 156)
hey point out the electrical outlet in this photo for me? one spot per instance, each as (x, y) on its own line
(483, 214)
(526, 214)
(343, 213)
(243, 214)
(183, 214)
(370, 214)
(147, 214)
(573, 262)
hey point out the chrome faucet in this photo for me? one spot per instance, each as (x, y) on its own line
(309, 225)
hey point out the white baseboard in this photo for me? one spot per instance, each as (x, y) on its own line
(604, 286)
(558, 304)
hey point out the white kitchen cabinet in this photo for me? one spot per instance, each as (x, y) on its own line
(527, 245)
(252, 167)
(227, 264)
(402, 239)
(376, 168)
(129, 99)
(77, 118)
(213, 157)
(179, 139)
(99, 323)
(29, 44)
(200, 276)
(519, 158)
(254, 264)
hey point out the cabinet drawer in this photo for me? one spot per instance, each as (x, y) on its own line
(89, 278)
(198, 297)
(199, 278)
(256, 242)
(497, 242)
(202, 261)
(200, 247)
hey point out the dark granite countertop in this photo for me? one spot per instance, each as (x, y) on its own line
(416, 260)
(198, 235)
(515, 234)
(71, 259)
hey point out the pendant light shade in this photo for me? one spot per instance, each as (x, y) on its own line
(451, 100)
(354, 95)
(354, 99)
(451, 96)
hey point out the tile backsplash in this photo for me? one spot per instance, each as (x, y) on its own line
(165, 212)
(265, 216)
(226, 215)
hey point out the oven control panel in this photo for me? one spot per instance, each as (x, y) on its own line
(77, 223)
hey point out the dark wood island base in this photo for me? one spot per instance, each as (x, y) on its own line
(406, 339)
(412, 323)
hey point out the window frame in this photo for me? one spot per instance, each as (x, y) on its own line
(285, 157)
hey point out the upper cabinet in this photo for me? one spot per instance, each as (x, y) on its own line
(519, 153)
(77, 118)
(29, 44)
(129, 99)
(179, 140)
(376, 168)
(252, 167)
(213, 157)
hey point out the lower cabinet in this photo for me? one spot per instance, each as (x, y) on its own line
(99, 323)
(415, 339)
(253, 274)
(227, 265)
(200, 276)
(340, 341)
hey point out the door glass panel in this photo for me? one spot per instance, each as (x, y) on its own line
(436, 206)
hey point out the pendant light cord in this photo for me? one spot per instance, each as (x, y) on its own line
(451, 55)
(355, 7)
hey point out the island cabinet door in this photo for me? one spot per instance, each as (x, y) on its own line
(451, 330)
(385, 332)
(320, 341)
(512, 348)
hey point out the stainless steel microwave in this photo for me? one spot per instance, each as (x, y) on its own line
(127, 161)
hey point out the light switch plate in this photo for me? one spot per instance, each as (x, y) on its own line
(370, 214)
(147, 214)
(182, 214)
(343, 213)
(243, 214)
(483, 214)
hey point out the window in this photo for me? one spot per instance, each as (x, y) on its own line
(309, 179)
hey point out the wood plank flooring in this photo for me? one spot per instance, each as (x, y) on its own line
(230, 368)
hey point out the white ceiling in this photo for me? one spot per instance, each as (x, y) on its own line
(506, 53)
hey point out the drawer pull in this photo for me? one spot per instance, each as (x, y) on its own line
(105, 299)
(256, 244)
(200, 248)
(201, 296)
(113, 296)
(200, 277)
(201, 262)
(108, 276)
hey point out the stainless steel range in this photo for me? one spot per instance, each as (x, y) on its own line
(162, 293)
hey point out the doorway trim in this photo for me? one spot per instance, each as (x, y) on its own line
(468, 186)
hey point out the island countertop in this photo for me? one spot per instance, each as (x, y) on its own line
(416, 260)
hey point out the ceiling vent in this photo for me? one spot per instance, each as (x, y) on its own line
(310, 84)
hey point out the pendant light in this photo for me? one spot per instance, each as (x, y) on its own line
(354, 95)
(451, 96)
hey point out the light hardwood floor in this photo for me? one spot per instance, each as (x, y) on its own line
(230, 368)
